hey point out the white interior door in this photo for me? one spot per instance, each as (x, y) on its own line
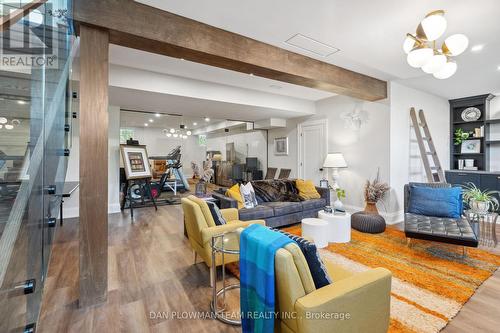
(313, 147)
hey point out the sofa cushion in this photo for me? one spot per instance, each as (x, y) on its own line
(307, 190)
(284, 208)
(313, 204)
(256, 213)
(438, 202)
(234, 193)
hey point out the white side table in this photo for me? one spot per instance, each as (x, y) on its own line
(339, 226)
(317, 230)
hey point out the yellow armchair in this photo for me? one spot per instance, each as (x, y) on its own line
(352, 303)
(200, 227)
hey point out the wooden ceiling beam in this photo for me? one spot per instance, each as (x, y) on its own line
(142, 27)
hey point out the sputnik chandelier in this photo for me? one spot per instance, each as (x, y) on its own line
(422, 51)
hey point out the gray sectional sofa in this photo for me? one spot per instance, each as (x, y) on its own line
(280, 213)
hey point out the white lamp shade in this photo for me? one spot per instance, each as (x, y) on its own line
(408, 44)
(456, 44)
(434, 26)
(447, 71)
(419, 56)
(435, 64)
(334, 160)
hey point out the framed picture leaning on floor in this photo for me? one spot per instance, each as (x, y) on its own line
(135, 162)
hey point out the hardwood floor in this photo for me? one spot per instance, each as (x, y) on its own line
(151, 270)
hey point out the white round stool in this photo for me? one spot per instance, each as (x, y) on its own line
(317, 230)
(339, 226)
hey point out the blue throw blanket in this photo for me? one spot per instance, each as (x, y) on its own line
(258, 246)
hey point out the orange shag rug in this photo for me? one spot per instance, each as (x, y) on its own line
(431, 281)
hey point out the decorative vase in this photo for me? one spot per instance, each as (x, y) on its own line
(338, 205)
(479, 207)
(371, 208)
(201, 189)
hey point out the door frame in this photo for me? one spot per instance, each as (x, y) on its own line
(322, 121)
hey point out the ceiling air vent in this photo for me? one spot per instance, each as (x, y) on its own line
(310, 45)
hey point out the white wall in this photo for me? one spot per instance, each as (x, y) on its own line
(71, 204)
(495, 134)
(436, 111)
(246, 143)
(158, 144)
(365, 149)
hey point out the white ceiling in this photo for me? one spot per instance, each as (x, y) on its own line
(369, 35)
(190, 107)
(161, 64)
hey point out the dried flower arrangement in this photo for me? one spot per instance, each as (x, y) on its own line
(375, 190)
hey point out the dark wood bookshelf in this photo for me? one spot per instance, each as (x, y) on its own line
(457, 106)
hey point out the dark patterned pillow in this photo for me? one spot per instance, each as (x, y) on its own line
(316, 266)
(216, 214)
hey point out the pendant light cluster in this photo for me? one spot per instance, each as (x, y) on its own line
(8, 125)
(181, 133)
(421, 47)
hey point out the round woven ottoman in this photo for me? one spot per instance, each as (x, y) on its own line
(369, 223)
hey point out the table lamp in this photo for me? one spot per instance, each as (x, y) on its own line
(335, 161)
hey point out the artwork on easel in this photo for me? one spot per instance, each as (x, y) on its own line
(135, 162)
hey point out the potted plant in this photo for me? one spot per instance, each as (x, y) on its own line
(374, 191)
(338, 205)
(480, 202)
(460, 136)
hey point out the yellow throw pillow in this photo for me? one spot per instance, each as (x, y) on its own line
(234, 193)
(307, 190)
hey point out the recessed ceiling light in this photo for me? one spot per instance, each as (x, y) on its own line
(157, 115)
(194, 124)
(146, 124)
(188, 133)
(477, 48)
(498, 68)
(151, 120)
(207, 119)
(251, 74)
(21, 102)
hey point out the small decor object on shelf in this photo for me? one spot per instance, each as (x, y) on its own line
(281, 146)
(324, 183)
(374, 191)
(480, 202)
(471, 147)
(471, 114)
(460, 136)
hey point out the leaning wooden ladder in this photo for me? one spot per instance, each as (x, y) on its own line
(434, 173)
